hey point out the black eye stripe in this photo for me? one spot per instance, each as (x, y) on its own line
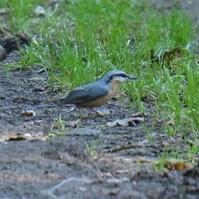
(123, 75)
(119, 75)
(110, 77)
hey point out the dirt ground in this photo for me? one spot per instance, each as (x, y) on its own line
(92, 160)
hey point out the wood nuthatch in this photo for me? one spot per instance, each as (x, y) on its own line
(97, 93)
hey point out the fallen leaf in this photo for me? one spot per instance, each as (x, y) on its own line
(177, 165)
(21, 137)
(28, 113)
(166, 55)
(122, 171)
(171, 122)
(35, 137)
(103, 112)
(72, 124)
(113, 124)
(139, 114)
(132, 121)
(171, 54)
(16, 137)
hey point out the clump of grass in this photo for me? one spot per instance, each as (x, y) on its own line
(94, 43)
(92, 148)
(58, 128)
(175, 159)
(169, 85)
(21, 13)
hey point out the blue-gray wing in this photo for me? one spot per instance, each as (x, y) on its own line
(86, 93)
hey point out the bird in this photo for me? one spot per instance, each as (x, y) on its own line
(97, 93)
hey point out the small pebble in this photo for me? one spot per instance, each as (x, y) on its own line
(40, 11)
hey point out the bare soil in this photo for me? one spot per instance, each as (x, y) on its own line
(92, 160)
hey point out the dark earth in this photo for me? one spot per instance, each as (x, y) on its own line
(48, 152)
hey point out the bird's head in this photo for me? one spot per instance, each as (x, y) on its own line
(117, 76)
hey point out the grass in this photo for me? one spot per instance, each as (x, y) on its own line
(175, 159)
(58, 128)
(82, 39)
(21, 13)
(92, 148)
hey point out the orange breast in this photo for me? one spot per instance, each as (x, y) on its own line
(113, 91)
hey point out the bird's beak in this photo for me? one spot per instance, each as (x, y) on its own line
(132, 78)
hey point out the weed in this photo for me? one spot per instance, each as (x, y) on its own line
(58, 128)
(92, 148)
